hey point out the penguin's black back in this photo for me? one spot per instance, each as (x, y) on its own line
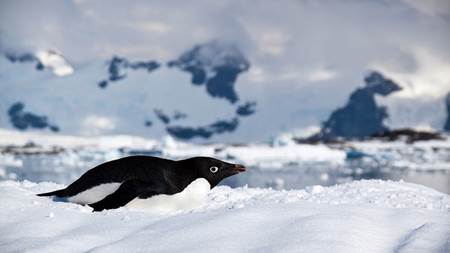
(147, 169)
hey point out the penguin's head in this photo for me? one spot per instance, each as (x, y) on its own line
(214, 170)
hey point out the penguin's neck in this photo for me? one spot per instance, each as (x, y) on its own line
(181, 176)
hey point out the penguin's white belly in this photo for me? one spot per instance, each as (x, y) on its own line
(193, 196)
(94, 194)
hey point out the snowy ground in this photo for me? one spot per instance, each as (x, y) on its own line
(362, 216)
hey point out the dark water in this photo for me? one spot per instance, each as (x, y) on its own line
(66, 167)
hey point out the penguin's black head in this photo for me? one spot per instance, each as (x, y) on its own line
(213, 170)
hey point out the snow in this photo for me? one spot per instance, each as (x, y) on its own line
(420, 156)
(55, 61)
(13, 137)
(275, 157)
(362, 216)
(265, 155)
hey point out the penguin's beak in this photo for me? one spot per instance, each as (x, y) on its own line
(238, 168)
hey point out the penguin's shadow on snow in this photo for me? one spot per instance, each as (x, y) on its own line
(59, 199)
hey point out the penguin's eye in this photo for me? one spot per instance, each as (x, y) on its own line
(213, 169)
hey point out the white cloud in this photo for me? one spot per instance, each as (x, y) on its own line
(306, 49)
(272, 42)
(429, 80)
(430, 7)
(150, 26)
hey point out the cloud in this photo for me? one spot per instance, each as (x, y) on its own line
(321, 74)
(430, 7)
(286, 41)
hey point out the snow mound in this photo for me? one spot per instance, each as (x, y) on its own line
(362, 216)
(55, 61)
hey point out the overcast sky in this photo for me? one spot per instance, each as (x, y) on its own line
(288, 42)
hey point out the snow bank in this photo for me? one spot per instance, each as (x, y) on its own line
(265, 156)
(362, 216)
(55, 61)
(12, 137)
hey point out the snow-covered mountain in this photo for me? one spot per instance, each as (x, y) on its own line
(201, 95)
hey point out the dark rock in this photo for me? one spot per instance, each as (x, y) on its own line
(246, 109)
(222, 126)
(447, 104)
(409, 135)
(117, 69)
(24, 58)
(24, 120)
(103, 84)
(179, 115)
(30, 148)
(361, 116)
(166, 119)
(149, 65)
(162, 116)
(148, 123)
(214, 65)
(54, 128)
(188, 133)
(149, 152)
(206, 132)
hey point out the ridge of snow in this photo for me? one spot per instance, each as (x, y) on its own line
(55, 61)
(362, 216)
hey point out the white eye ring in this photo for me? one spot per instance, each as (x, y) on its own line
(214, 169)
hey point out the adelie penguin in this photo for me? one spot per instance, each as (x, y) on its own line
(114, 184)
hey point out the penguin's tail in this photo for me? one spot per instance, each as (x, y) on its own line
(58, 193)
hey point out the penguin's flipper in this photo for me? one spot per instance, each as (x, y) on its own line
(127, 191)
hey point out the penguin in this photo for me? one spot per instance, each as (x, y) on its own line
(115, 183)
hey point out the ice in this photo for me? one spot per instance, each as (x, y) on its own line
(362, 216)
(12, 137)
(268, 156)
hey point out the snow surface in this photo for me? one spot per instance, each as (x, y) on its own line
(362, 216)
(55, 61)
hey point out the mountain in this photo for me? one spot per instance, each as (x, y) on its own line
(205, 94)
(215, 66)
(24, 120)
(447, 105)
(117, 69)
(148, 97)
(361, 116)
(44, 59)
